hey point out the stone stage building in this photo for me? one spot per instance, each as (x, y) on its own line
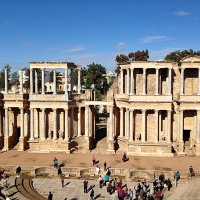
(152, 109)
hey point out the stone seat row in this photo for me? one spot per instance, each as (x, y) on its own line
(24, 185)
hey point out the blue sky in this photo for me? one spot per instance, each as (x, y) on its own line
(86, 31)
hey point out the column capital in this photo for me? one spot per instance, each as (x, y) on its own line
(79, 109)
(156, 110)
(43, 109)
(5, 69)
(127, 109)
(198, 111)
(144, 110)
(31, 69)
(66, 109)
(157, 68)
(54, 109)
(131, 109)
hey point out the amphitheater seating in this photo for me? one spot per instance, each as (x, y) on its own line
(24, 185)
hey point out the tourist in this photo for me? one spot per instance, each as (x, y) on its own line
(5, 183)
(8, 198)
(177, 176)
(159, 194)
(115, 196)
(100, 181)
(124, 158)
(97, 170)
(191, 171)
(93, 160)
(59, 171)
(18, 170)
(92, 194)
(85, 185)
(106, 179)
(105, 165)
(121, 193)
(55, 162)
(108, 187)
(62, 181)
(50, 196)
(130, 194)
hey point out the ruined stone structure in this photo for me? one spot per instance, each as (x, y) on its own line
(152, 109)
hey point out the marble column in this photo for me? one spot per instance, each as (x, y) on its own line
(66, 125)
(36, 82)
(43, 124)
(157, 81)
(198, 126)
(21, 122)
(121, 121)
(181, 126)
(169, 81)
(21, 81)
(169, 122)
(182, 81)
(6, 80)
(31, 81)
(128, 121)
(111, 123)
(6, 122)
(37, 124)
(198, 81)
(43, 84)
(66, 82)
(79, 121)
(128, 82)
(55, 124)
(79, 81)
(131, 126)
(54, 81)
(144, 81)
(156, 126)
(72, 123)
(122, 82)
(132, 81)
(72, 80)
(31, 124)
(143, 125)
(86, 122)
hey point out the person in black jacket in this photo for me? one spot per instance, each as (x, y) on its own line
(50, 196)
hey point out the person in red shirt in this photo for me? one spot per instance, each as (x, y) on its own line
(159, 194)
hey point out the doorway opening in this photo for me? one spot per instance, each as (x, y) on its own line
(186, 140)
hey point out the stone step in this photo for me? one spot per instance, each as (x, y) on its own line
(190, 187)
(178, 191)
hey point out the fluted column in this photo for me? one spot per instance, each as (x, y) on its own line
(66, 125)
(169, 125)
(198, 126)
(54, 81)
(21, 81)
(122, 82)
(22, 122)
(72, 123)
(111, 123)
(6, 80)
(79, 121)
(6, 122)
(157, 81)
(72, 80)
(144, 81)
(128, 82)
(131, 126)
(169, 81)
(37, 123)
(156, 126)
(31, 124)
(143, 125)
(181, 126)
(31, 81)
(132, 86)
(86, 122)
(55, 124)
(198, 81)
(43, 84)
(121, 122)
(79, 81)
(128, 121)
(182, 81)
(43, 124)
(36, 82)
(66, 81)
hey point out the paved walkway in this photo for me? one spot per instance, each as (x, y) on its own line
(72, 190)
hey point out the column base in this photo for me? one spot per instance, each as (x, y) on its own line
(111, 146)
(21, 144)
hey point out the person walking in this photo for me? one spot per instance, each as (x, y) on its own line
(62, 182)
(85, 184)
(92, 194)
(97, 170)
(93, 160)
(105, 166)
(100, 181)
(50, 196)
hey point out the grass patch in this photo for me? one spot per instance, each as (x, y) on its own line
(136, 159)
(14, 156)
(167, 168)
(82, 164)
(118, 161)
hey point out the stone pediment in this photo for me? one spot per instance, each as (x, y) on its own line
(190, 59)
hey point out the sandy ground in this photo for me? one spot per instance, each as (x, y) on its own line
(25, 158)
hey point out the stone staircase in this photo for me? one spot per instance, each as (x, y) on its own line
(185, 191)
(101, 146)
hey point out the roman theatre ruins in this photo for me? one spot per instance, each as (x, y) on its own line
(152, 109)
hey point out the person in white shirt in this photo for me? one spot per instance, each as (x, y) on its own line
(8, 198)
(97, 170)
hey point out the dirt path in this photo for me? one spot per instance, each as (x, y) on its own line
(25, 158)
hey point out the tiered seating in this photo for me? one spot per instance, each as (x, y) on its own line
(24, 185)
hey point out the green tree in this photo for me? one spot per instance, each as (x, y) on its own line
(2, 77)
(58, 77)
(15, 79)
(83, 75)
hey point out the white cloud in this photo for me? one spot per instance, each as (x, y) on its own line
(181, 13)
(150, 39)
(75, 49)
(28, 44)
(121, 46)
